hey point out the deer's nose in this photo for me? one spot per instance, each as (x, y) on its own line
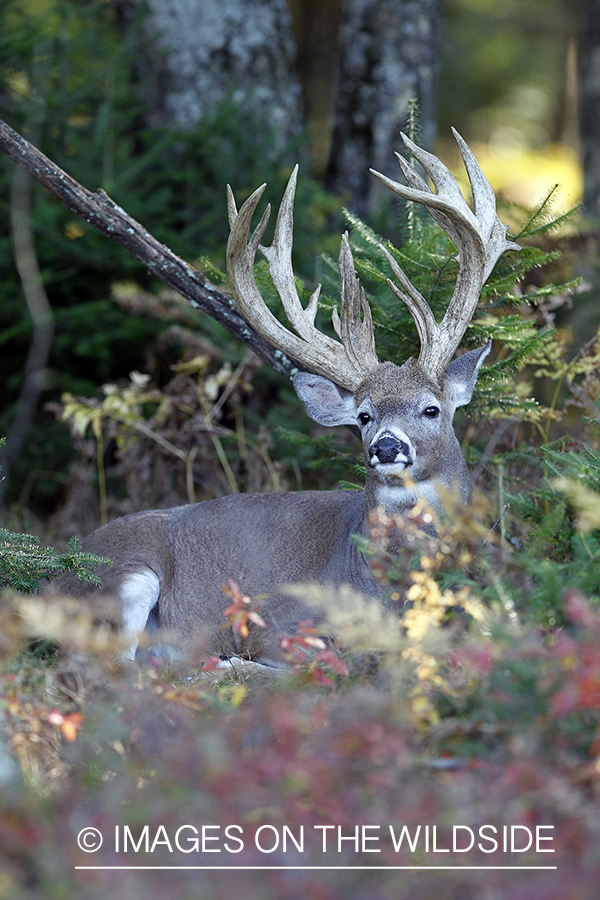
(387, 447)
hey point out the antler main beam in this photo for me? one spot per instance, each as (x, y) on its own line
(479, 237)
(346, 363)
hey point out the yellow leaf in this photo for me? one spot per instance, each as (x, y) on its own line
(420, 704)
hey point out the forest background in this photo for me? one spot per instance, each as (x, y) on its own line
(163, 123)
(116, 396)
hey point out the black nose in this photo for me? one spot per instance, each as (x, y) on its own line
(387, 448)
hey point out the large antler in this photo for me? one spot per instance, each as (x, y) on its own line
(346, 363)
(479, 237)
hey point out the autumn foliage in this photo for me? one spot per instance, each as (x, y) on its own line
(476, 724)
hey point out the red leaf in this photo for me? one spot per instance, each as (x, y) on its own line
(578, 610)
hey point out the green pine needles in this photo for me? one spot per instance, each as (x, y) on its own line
(429, 258)
(25, 564)
(543, 484)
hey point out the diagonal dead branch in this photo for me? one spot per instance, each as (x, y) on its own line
(99, 210)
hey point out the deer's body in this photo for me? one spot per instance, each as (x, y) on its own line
(172, 562)
(169, 565)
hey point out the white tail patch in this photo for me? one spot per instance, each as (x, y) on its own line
(139, 594)
(404, 415)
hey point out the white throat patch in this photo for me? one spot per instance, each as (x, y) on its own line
(397, 497)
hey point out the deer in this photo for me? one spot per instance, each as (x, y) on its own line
(168, 565)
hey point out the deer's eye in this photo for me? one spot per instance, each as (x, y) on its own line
(432, 412)
(364, 418)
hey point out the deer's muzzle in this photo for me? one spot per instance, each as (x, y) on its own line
(387, 448)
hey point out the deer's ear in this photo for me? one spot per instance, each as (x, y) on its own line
(324, 401)
(461, 374)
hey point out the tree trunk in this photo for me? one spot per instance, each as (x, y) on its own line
(589, 118)
(389, 51)
(344, 70)
(201, 52)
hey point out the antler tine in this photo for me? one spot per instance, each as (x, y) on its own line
(345, 363)
(357, 334)
(416, 303)
(484, 199)
(279, 258)
(479, 237)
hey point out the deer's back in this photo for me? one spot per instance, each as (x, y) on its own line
(263, 541)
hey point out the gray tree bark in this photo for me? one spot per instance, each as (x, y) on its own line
(589, 104)
(389, 51)
(202, 52)
(384, 54)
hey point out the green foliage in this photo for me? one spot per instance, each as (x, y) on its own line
(24, 563)
(326, 453)
(484, 705)
(503, 67)
(558, 553)
(70, 93)
(428, 257)
(510, 311)
(477, 720)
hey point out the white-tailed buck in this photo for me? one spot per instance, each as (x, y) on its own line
(169, 564)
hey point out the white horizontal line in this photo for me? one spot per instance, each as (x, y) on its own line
(278, 868)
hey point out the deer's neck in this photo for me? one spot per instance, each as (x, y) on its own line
(397, 497)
